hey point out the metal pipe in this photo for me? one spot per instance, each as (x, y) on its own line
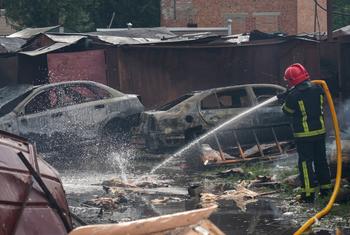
(329, 21)
(229, 26)
(336, 189)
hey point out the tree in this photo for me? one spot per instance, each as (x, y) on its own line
(83, 15)
(342, 19)
(141, 13)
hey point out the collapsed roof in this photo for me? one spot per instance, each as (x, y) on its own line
(38, 41)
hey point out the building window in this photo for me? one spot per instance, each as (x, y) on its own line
(267, 21)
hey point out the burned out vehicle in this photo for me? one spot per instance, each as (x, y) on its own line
(193, 114)
(74, 112)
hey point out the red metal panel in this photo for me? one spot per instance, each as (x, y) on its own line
(85, 65)
(25, 209)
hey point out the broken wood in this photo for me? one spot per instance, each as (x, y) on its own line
(195, 220)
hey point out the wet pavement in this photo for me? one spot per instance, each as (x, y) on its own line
(82, 178)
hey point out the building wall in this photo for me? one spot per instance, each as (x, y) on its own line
(247, 15)
(306, 16)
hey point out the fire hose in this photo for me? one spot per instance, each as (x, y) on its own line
(336, 189)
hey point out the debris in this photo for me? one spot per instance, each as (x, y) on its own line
(150, 184)
(164, 200)
(115, 182)
(190, 222)
(264, 181)
(241, 196)
(208, 199)
(210, 155)
(88, 212)
(292, 180)
(288, 214)
(264, 178)
(107, 203)
(231, 172)
(194, 190)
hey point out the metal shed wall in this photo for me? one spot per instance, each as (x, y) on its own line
(161, 73)
(70, 66)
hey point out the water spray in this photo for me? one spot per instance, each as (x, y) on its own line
(213, 131)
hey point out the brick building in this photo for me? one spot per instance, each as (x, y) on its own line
(290, 16)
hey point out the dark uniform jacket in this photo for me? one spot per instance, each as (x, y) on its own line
(305, 104)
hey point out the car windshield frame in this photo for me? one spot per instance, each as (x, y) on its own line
(173, 103)
(11, 105)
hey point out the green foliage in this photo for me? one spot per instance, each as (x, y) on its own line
(341, 6)
(84, 15)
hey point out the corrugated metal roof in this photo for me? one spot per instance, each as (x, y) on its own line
(61, 41)
(70, 39)
(156, 33)
(126, 40)
(30, 32)
(44, 50)
(344, 31)
(8, 45)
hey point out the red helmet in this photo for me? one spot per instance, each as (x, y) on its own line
(295, 74)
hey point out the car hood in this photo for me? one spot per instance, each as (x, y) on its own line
(9, 93)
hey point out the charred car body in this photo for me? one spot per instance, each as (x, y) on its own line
(193, 114)
(73, 112)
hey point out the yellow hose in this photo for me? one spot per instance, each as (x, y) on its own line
(329, 206)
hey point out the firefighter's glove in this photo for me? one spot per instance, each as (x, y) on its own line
(282, 96)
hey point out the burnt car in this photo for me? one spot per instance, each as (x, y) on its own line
(74, 112)
(192, 114)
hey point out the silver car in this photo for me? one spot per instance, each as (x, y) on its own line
(194, 113)
(66, 113)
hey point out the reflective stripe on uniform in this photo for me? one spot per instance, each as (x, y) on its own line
(326, 186)
(308, 189)
(287, 109)
(310, 133)
(304, 115)
(321, 117)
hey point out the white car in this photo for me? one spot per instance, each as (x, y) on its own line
(66, 113)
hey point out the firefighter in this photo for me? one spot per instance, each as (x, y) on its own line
(304, 103)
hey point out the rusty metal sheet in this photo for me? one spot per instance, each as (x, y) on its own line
(85, 65)
(23, 208)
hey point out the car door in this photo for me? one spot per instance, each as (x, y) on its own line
(228, 104)
(40, 119)
(225, 104)
(271, 115)
(85, 108)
